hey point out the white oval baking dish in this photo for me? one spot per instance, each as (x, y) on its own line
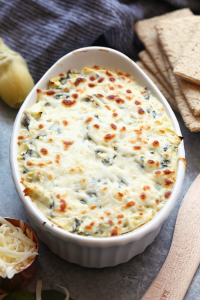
(89, 251)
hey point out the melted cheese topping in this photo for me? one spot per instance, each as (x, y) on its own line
(98, 153)
(16, 249)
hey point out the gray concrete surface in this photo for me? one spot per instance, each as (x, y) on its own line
(127, 281)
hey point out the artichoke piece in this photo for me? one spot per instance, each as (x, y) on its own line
(23, 149)
(15, 79)
(30, 176)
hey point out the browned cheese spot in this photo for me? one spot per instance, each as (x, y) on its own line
(168, 194)
(96, 126)
(150, 161)
(26, 191)
(137, 102)
(75, 95)
(108, 137)
(120, 216)
(110, 222)
(162, 131)
(137, 147)
(111, 97)
(67, 144)
(88, 120)
(143, 196)
(167, 172)
(68, 102)
(123, 129)
(168, 182)
(129, 204)
(119, 100)
(63, 205)
(50, 93)
(90, 226)
(158, 172)
(91, 85)
(44, 151)
(155, 143)
(114, 127)
(141, 111)
(96, 67)
(108, 73)
(79, 80)
(93, 207)
(114, 232)
(100, 79)
(138, 131)
(65, 123)
(146, 187)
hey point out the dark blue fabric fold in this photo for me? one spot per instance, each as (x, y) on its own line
(44, 31)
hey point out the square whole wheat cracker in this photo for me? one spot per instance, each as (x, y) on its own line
(191, 122)
(149, 63)
(146, 31)
(173, 41)
(167, 64)
(188, 65)
(162, 89)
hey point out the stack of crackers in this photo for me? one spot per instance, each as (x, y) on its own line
(172, 44)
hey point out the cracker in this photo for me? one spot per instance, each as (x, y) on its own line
(191, 122)
(162, 89)
(149, 63)
(173, 41)
(146, 31)
(167, 64)
(188, 65)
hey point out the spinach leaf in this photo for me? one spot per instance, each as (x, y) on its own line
(50, 295)
(23, 295)
(46, 295)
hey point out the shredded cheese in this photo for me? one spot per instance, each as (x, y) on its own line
(16, 249)
(39, 290)
(66, 291)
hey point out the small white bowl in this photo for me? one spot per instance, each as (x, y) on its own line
(90, 251)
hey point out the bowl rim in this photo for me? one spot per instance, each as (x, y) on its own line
(138, 233)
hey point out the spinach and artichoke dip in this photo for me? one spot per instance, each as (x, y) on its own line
(97, 153)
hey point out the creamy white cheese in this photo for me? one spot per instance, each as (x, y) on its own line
(97, 153)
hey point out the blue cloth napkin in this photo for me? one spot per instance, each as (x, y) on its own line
(43, 31)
